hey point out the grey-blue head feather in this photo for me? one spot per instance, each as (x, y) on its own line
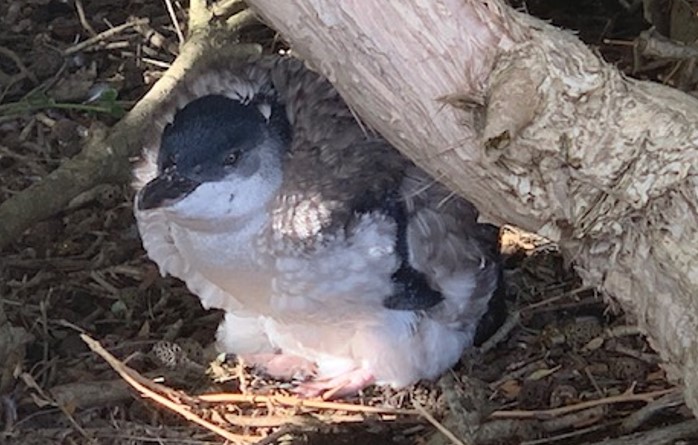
(209, 139)
(210, 135)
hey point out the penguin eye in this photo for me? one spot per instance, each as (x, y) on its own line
(231, 159)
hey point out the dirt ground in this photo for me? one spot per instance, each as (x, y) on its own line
(569, 368)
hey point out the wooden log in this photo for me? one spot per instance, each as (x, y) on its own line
(535, 129)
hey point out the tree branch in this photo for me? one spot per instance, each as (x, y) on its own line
(105, 157)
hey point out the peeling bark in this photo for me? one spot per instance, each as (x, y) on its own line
(536, 130)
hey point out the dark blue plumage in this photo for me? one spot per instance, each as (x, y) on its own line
(411, 288)
(207, 134)
(209, 138)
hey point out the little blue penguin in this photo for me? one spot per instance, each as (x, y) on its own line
(338, 262)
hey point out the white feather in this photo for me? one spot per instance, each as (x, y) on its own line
(323, 304)
(326, 307)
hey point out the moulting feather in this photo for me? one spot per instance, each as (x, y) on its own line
(336, 260)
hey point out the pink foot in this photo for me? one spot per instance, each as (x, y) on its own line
(280, 366)
(343, 385)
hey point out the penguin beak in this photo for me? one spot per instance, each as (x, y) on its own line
(165, 190)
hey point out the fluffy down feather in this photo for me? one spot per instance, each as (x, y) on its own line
(308, 274)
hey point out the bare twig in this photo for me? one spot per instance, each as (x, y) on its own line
(314, 421)
(175, 22)
(302, 403)
(83, 18)
(241, 20)
(102, 36)
(576, 432)
(227, 8)
(91, 394)
(660, 436)
(184, 405)
(30, 382)
(438, 425)
(550, 413)
(639, 417)
(199, 16)
(144, 387)
(653, 44)
(157, 63)
(276, 435)
(156, 39)
(569, 421)
(504, 330)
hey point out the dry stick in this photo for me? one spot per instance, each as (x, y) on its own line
(150, 390)
(226, 8)
(302, 403)
(31, 383)
(200, 15)
(548, 413)
(653, 44)
(175, 23)
(442, 429)
(298, 421)
(83, 18)
(242, 19)
(555, 298)
(502, 333)
(156, 39)
(109, 33)
(577, 432)
(659, 436)
(278, 434)
(141, 384)
(639, 417)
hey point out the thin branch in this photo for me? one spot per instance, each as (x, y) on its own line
(660, 436)
(199, 16)
(638, 418)
(83, 18)
(302, 403)
(175, 22)
(438, 425)
(241, 20)
(105, 157)
(550, 413)
(227, 8)
(102, 36)
(142, 385)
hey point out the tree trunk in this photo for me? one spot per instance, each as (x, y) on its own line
(537, 131)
